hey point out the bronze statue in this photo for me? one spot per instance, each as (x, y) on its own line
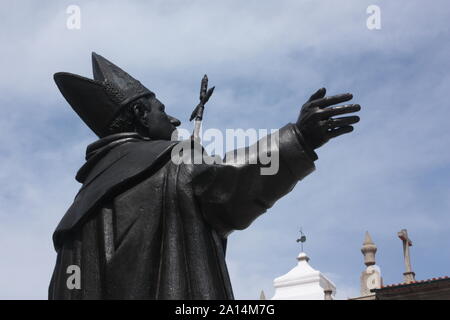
(144, 227)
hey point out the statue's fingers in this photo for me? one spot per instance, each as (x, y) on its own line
(338, 110)
(329, 101)
(343, 121)
(318, 94)
(339, 131)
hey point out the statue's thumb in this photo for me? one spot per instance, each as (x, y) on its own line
(318, 94)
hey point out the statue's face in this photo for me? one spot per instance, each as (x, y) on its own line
(160, 125)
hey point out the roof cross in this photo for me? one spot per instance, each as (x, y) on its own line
(409, 274)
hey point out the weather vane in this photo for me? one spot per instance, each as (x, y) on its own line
(302, 238)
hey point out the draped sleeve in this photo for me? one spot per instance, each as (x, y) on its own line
(233, 194)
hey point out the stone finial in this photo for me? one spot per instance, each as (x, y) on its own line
(371, 277)
(368, 250)
(262, 296)
(328, 294)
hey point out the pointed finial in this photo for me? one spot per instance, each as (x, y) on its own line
(371, 277)
(262, 296)
(367, 239)
(368, 250)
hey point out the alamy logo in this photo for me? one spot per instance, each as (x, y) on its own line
(374, 20)
(74, 19)
(263, 152)
(74, 280)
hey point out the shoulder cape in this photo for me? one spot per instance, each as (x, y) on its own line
(114, 163)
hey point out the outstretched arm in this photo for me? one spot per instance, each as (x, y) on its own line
(232, 195)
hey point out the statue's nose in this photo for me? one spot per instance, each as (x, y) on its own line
(174, 121)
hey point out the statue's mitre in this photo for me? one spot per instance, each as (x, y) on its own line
(97, 102)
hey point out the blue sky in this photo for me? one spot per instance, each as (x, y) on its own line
(265, 59)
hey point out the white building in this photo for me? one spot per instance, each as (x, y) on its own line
(303, 282)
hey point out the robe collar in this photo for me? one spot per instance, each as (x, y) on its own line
(113, 164)
(96, 150)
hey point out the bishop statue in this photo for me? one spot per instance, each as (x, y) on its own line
(145, 227)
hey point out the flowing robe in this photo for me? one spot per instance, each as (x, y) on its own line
(145, 227)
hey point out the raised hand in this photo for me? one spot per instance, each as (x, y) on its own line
(316, 122)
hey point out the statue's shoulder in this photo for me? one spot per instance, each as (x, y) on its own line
(114, 172)
(129, 157)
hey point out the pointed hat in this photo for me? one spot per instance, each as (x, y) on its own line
(108, 73)
(97, 102)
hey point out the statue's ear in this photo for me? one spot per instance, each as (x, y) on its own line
(140, 113)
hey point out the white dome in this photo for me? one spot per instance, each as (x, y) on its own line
(303, 282)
